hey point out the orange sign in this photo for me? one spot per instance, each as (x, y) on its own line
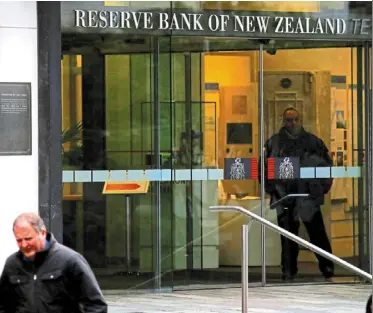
(119, 188)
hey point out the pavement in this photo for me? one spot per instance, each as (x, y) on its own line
(331, 298)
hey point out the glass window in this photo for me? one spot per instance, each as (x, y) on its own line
(193, 103)
(312, 123)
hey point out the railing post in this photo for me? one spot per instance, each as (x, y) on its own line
(128, 234)
(245, 264)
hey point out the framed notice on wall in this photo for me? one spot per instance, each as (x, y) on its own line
(15, 118)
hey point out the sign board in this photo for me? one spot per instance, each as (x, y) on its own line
(284, 168)
(15, 118)
(95, 17)
(127, 187)
(240, 168)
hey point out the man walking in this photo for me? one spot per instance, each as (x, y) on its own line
(293, 141)
(44, 276)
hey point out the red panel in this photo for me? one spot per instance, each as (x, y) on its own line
(254, 168)
(271, 168)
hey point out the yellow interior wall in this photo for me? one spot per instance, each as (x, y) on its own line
(79, 91)
(226, 70)
(335, 60)
(65, 94)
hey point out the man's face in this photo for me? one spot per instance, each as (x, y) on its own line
(292, 122)
(29, 240)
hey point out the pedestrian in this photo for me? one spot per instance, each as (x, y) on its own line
(45, 276)
(294, 142)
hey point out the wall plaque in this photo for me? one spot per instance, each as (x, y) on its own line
(15, 118)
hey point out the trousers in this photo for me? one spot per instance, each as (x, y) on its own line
(290, 220)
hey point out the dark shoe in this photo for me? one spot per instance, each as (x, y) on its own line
(286, 277)
(328, 272)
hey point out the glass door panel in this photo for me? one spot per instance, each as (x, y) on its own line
(214, 114)
(108, 136)
(311, 136)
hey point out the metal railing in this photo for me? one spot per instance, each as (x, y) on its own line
(283, 232)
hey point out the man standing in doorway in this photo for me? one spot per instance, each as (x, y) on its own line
(45, 276)
(293, 141)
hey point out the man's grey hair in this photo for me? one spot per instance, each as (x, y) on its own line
(33, 219)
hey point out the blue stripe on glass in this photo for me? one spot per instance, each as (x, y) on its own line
(194, 174)
(338, 172)
(307, 172)
(153, 175)
(199, 174)
(83, 176)
(166, 175)
(215, 174)
(67, 176)
(322, 172)
(353, 171)
(118, 175)
(100, 176)
(182, 175)
(136, 175)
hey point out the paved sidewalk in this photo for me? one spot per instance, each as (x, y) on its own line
(280, 299)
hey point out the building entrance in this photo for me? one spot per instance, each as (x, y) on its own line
(183, 116)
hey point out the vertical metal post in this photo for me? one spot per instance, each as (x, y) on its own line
(371, 153)
(189, 184)
(157, 233)
(369, 132)
(245, 265)
(262, 165)
(128, 233)
(361, 145)
(368, 147)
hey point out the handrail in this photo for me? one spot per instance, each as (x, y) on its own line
(293, 195)
(293, 237)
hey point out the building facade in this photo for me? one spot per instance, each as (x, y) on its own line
(164, 109)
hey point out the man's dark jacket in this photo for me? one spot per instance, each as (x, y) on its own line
(311, 152)
(59, 280)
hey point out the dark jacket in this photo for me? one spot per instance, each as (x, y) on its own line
(311, 152)
(368, 305)
(59, 280)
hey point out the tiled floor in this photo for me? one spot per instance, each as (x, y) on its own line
(331, 298)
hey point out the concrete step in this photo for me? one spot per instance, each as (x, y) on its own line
(329, 298)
